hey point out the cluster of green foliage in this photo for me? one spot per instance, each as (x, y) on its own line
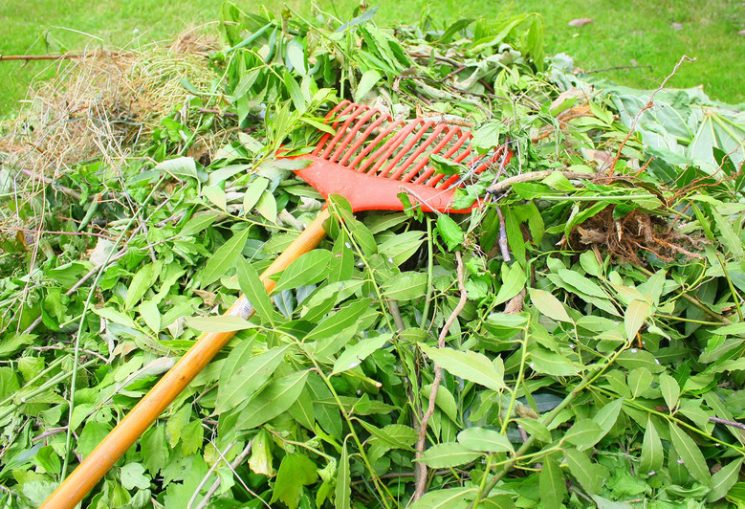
(572, 377)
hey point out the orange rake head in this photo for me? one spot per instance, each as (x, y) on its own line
(371, 159)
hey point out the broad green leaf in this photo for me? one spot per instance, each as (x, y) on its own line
(670, 390)
(471, 366)
(640, 379)
(216, 195)
(142, 281)
(690, 454)
(394, 436)
(338, 321)
(224, 258)
(451, 498)
(450, 232)
(132, 475)
(353, 355)
(401, 247)
(406, 286)
(636, 314)
(343, 492)
(582, 283)
(218, 323)
(310, 268)
(484, 440)
(253, 193)
(296, 55)
(583, 470)
(115, 316)
(366, 83)
(448, 455)
(273, 400)
(295, 471)
(513, 280)
(267, 206)
(179, 167)
(723, 480)
(551, 486)
(607, 416)
(635, 358)
(150, 315)
(535, 429)
(550, 363)
(548, 305)
(653, 455)
(248, 377)
(254, 290)
(154, 449)
(734, 329)
(584, 434)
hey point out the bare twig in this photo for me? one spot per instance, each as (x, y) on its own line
(420, 470)
(504, 185)
(617, 68)
(734, 424)
(51, 182)
(649, 105)
(64, 56)
(503, 245)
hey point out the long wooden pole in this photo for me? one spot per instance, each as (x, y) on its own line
(92, 469)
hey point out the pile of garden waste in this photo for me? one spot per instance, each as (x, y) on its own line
(586, 320)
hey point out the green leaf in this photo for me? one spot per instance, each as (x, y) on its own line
(636, 314)
(216, 195)
(548, 305)
(274, 400)
(296, 56)
(295, 471)
(248, 378)
(338, 321)
(582, 283)
(653, 455)
(254, 192)
(607, 416)
(179, 167)
(691, 455)
(640, 379)
(141, 283)
(224, 258)
(450, 232)
(150, 315)
(451, 498)
(550, 363)
(352, 356)
(723, 480)
(471, 366)
(132, 475)
(343, 494)
(583, 470)
(670, 390)
(154, 449)
(551, 486)
(254, 290)
(448, 455)
(513, 280)
(367, 82)
(535, 429)
(484, 440)
(405, 286)
(446, 166)
(584, 434)
(267, 207)
(310, 268)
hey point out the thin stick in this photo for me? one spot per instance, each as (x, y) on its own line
(734, 424)
(64, 56)
(649, 105)
(420, 470)
(503, 244)
(506, 184)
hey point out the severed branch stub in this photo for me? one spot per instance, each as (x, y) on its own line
(420, 470)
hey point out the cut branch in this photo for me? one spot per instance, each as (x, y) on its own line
(506, 184)
(420, 470)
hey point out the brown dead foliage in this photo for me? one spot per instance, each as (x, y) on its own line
(635, 235)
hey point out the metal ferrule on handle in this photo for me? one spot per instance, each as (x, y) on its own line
(92, 469)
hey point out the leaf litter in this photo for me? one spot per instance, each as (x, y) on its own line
(576, 341)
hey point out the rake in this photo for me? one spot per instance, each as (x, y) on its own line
(369, 160)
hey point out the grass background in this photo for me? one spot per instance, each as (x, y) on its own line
(623, 33)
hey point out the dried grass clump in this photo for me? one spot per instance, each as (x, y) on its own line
(636, 235)
(100, 105)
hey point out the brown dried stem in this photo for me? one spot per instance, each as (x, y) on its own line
(420, 471)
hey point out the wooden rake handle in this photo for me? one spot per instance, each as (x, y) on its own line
(107, 453)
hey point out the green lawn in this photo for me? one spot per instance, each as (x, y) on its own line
(622, 34)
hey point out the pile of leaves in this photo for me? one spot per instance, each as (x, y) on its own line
(576, 341)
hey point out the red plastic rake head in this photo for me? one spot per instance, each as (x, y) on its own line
(371, 159)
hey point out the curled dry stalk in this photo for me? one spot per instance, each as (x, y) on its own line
(420, 470)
